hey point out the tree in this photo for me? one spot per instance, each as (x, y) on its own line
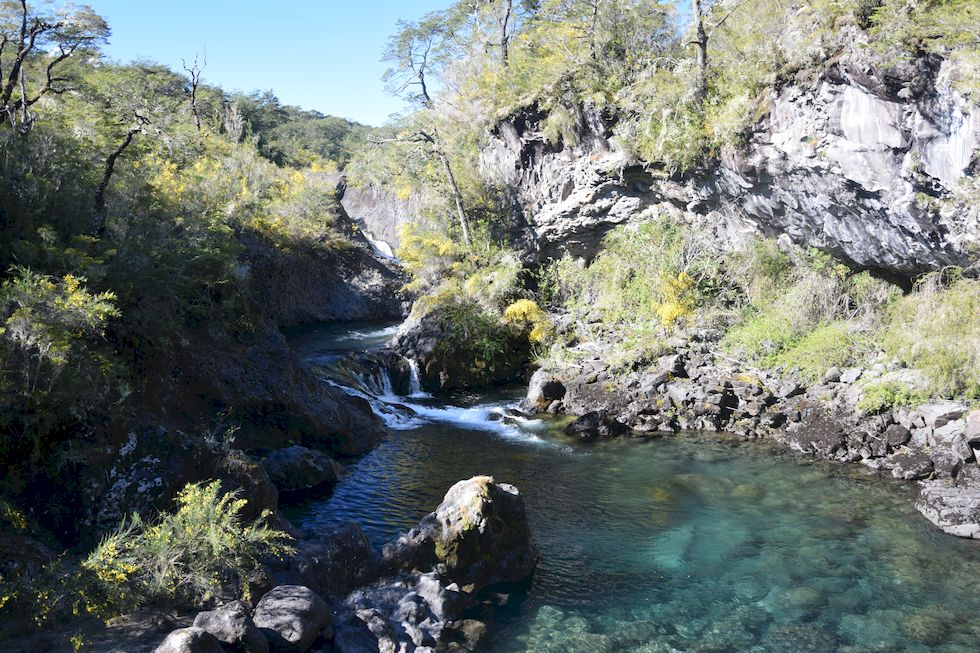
(50, 37)
(132, 99)
(416, 50)
(194, 71)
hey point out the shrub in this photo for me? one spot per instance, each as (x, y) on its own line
(829, 345)
(879, 397)
(529, 315)
(935, 328)
(56, 369)
(187, 556)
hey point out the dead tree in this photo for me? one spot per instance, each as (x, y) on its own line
(195, 70)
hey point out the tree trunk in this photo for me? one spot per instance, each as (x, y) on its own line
(593, 50)
(110, 164)
(504, 37)
(701, 42)
(457, 196)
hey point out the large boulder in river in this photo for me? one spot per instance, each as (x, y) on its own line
(479, 533)
(298, 471)
(292, 617)
(457, 345)
(543, 389)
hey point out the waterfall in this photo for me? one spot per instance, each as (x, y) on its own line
(415, 380)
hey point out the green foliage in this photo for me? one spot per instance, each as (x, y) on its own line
(836, 344)
(187, 556)
(54, 367)
(656, 272)
(882, 396)
(936, 329)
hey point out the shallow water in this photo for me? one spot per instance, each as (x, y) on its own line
(686, 543)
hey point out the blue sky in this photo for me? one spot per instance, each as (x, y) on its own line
(319, 55)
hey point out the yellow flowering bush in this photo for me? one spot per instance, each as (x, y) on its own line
(527, 313)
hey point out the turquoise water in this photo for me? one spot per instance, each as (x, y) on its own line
(686, 543)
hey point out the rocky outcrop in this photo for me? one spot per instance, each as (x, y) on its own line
(451, 358)
(693, 389)
(410, 600)
(860, 160)
(382, 212)
(477, 537)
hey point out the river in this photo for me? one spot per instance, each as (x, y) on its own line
(693, 542)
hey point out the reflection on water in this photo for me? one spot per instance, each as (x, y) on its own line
(688, 543)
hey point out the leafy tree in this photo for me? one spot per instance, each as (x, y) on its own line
(51, 37)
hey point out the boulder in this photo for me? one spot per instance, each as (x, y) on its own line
(897, 436)
(542, 390)
(334, 564)
(298, 471)
(818, 434)
(231, 624)
(482, 534)
(941, 413)
(596, 424)
(189, 640)
(910, 464)
(952, 438)
(291, 617)
(953, 507)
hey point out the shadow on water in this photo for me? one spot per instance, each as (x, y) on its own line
(696, 542)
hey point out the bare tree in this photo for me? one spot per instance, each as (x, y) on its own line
(411, 51)
(56, 36)
(195, 70)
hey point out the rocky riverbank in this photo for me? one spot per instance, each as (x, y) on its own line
(693, 387)
(338, 594)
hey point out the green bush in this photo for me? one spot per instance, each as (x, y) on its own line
(55, 369)
(936, 329)
(829, 345)
(882, 396)
(185, 557)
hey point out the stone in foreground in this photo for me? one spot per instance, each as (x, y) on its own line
(231, 624)
(291, 617)
(189, 640)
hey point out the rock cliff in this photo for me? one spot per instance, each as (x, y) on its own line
(874, 164)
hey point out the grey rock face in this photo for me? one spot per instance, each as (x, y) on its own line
(291, 616)
(189, 640)
(818, 434)
(953, 508)
(232, 625)
(297, 470)
(841, 163)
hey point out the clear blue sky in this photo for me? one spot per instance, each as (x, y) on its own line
(322, 55)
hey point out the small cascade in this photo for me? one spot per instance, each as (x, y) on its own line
(415, 381)
(392, 385)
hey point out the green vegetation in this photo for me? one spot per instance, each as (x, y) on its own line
(882, 396)
(936, 329)
(182, 558)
